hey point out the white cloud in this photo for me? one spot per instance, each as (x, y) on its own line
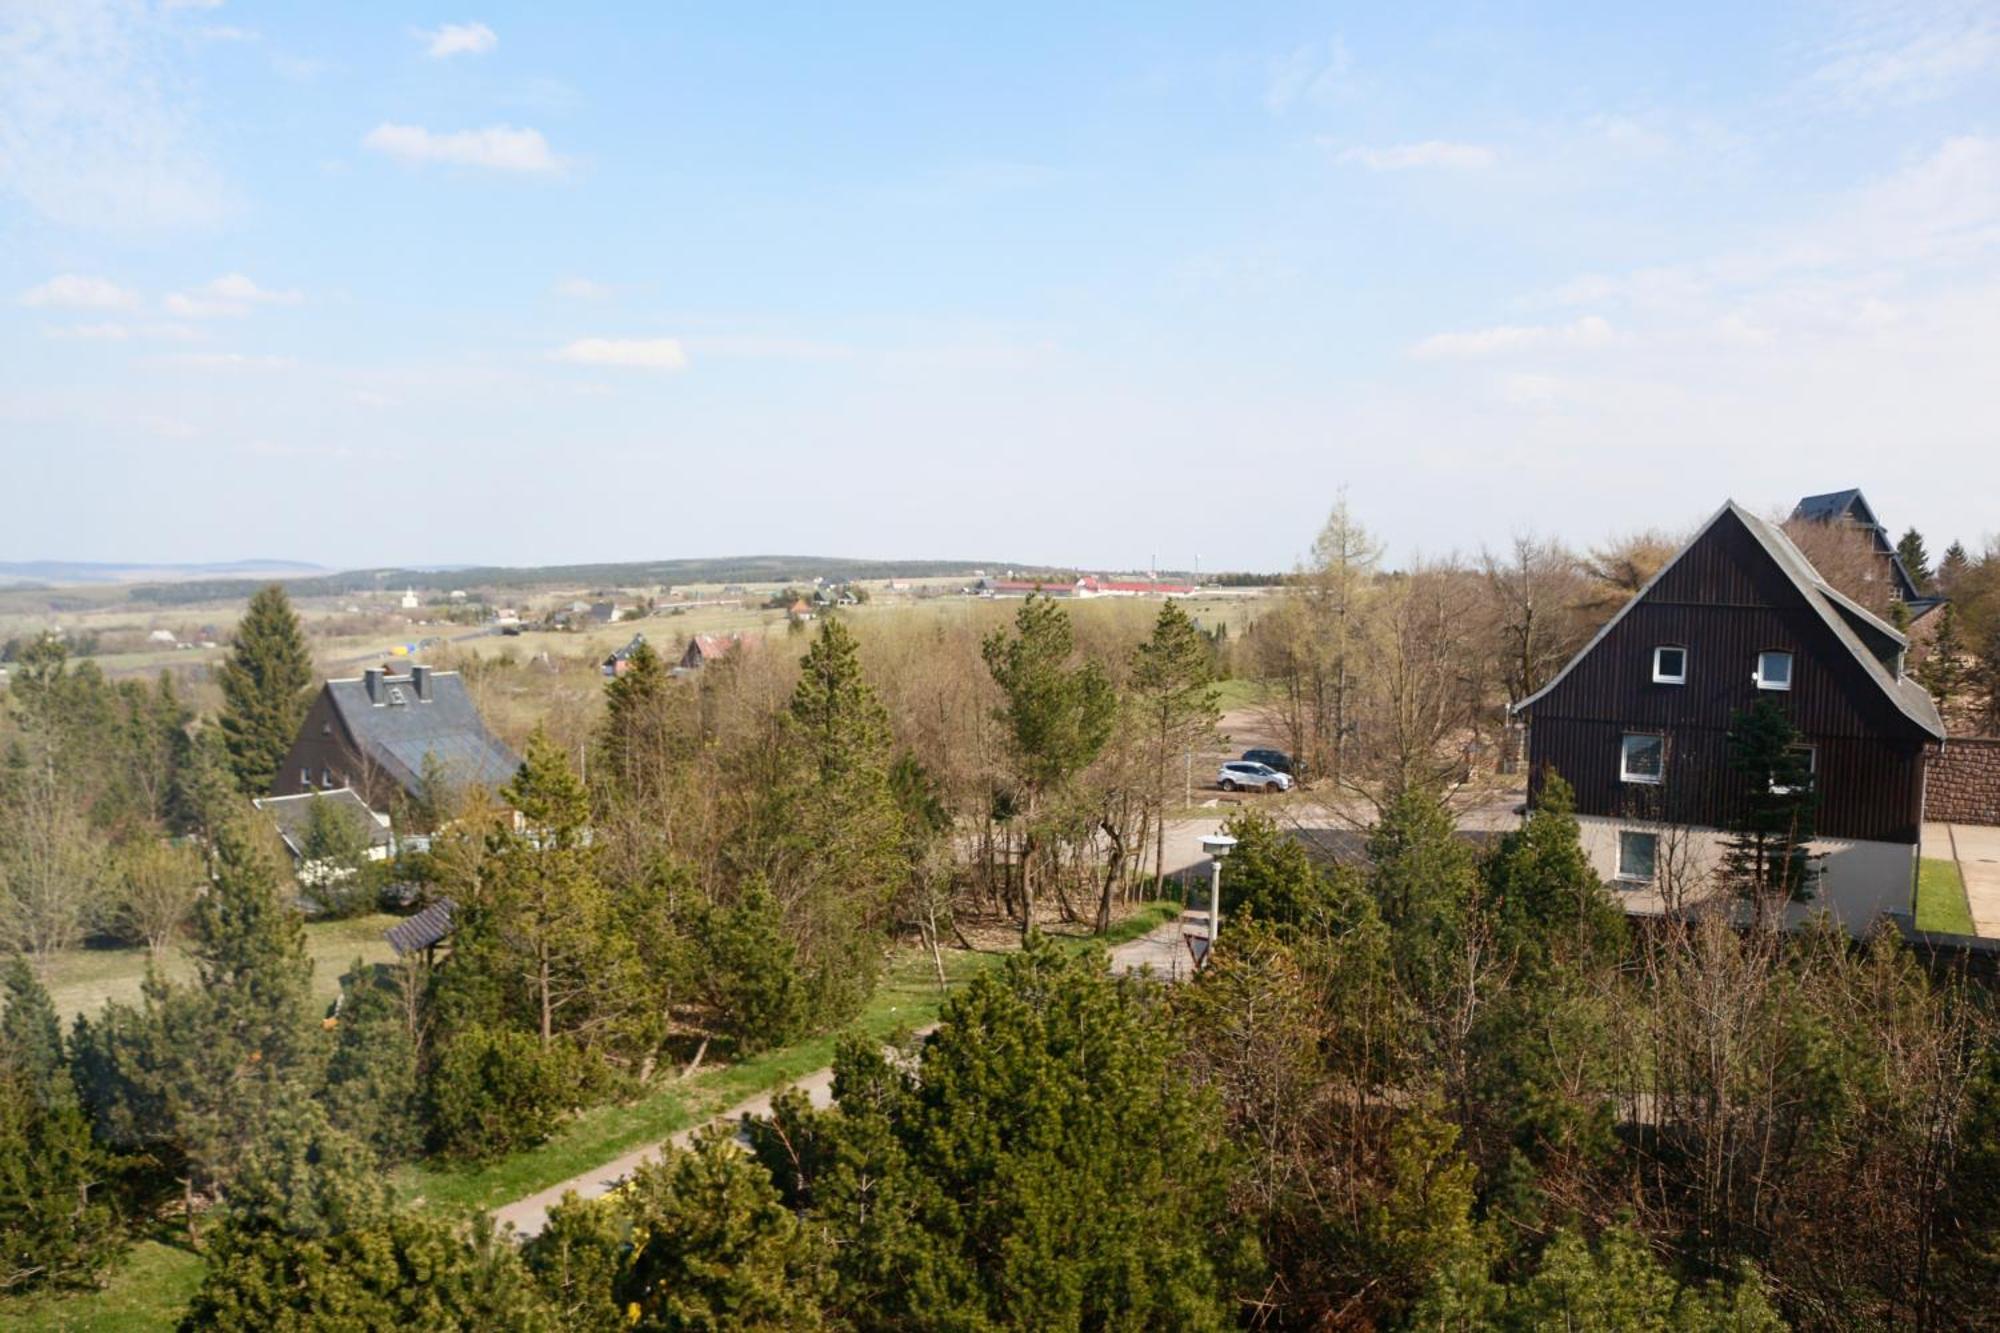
(1590, 331)
(94, 118)
(1315, 74)
(636, 353)
(459, 39)
(1429, 153)
(116, 332)
(230, 295)
(190, 4)
(1892, 52)
(78, 291)
(498, 147)
(230, 361)
(584, 289)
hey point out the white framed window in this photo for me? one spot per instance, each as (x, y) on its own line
(305, 777)
(326, 777)
(1670, 665)
(1809, 753)
(1638, 856)
(395, 694)
(1642, 757)
(1774, 670)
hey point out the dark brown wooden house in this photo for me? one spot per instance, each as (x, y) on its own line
(380, 731)
(1638, 722)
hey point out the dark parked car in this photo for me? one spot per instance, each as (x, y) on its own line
(1277, 759)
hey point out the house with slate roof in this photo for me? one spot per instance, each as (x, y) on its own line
(1638, 724)
(1851, 507)
(377, 732)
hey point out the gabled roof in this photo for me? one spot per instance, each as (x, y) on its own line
(447, 727)
(1848, 620)
(1837, 505)
(1851, 505)
(421, 931)
(293, 815)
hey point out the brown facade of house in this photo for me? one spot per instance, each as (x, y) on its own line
(325, 756)
(1725, 601)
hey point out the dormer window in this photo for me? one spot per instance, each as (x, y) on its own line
(1670, 665)
(1774, 671)
(395, 695)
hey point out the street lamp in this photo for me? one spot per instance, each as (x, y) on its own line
(1218, 846)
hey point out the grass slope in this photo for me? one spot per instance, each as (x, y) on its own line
(1941, 904)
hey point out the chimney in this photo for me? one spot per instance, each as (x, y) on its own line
(371, 680)
(420, 676)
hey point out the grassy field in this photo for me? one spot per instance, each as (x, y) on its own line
(81, 980)
(1941, 905)
(147, 1291)
(152, 1285)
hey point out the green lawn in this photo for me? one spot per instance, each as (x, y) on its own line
(147, 1290)
(1941, 905)
(1238, 693)
(81, 980)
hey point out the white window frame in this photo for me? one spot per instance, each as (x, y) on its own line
(1622, 875)
(1791, 669)
(1625, 774)
(395, 694)
(1812, 768)
(1660, 677)
(306, 778)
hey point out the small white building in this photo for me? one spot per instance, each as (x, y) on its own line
(410, 602)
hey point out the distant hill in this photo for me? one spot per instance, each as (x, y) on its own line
(725, 569)
(58, 572)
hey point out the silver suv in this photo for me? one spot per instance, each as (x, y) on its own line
(1248, 775)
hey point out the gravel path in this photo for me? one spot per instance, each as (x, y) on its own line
(1161, 948)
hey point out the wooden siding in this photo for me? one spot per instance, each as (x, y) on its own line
(324, 745)
(1725, 601)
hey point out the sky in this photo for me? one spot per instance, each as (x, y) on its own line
(1103, 285)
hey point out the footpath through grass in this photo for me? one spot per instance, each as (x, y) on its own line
(908, 998)
(1941, 904)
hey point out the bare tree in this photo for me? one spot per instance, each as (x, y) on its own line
(1535, 588)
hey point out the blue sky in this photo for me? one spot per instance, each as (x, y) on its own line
(373, 283)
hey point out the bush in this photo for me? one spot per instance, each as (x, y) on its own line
(494, 1091)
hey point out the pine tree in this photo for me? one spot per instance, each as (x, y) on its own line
(1768, 859)
(374, 1076)
(52, 1231)
(1952, 567)
(192, 1071)
(544, 922)
(1045, 1163)
(637, 733)
(333, 866)
(1552, 908)
(411, 1270)
(1943, 669)
(1172, 685)
(263, 689)
(714, 1248)
(1917, 560)
(1058, 716)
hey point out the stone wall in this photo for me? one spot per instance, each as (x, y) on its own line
(1962, 781)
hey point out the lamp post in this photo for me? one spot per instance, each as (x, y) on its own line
(1218, 846)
